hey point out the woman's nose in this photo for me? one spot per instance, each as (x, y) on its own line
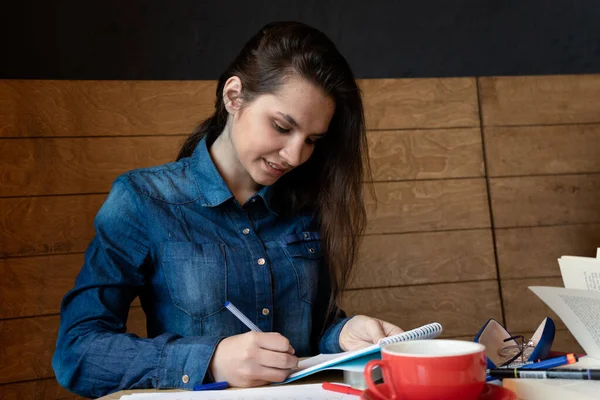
(294, 153)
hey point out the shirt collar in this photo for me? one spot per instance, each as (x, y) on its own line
(267, 195)
(214, 190)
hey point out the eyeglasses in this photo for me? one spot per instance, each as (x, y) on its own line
(515, 355)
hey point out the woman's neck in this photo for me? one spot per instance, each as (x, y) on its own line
(231, 170)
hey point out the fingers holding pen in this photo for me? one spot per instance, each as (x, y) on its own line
(275, 342)
(252, 359)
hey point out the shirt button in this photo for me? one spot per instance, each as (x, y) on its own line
(185, 379)
(253, 200)
(312, 250)
(246, 231)
(265, 311)
(261, 261)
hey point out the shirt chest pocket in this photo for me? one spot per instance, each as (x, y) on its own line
(196, 276)
(304, 252)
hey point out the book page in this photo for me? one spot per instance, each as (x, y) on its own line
(580, 272)
(579, 310)
(289, 392)
(551, 389)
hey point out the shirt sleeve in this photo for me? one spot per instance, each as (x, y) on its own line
(94, 355)
(330, 341)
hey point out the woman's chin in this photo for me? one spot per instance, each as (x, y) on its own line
(264, 179)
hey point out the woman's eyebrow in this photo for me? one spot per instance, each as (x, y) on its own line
(289, 119)
(293, 122)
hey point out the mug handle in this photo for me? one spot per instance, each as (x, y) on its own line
(386, 378)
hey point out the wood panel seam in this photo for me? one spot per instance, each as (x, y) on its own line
(420, 284)
(41, 255)
(47, 315)
(497, 177)
(55, 195)
(547, 225)
(489, 197)
(426, 232)
(27, 380)
(521, 279)
(417, 128)
(183, 135)
(540, 125)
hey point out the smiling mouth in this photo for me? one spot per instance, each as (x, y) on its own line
(275, 166)
(275, 169)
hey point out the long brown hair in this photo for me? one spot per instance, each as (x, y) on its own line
(331, 182)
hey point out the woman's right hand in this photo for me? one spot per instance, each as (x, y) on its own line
(253, 359)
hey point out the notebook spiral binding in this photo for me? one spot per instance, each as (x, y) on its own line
(428, 331)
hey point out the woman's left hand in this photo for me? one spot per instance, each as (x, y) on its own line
(362, 331)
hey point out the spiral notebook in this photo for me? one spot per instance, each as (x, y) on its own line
(356, 360)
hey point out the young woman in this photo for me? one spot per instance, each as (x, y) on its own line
(263, 208)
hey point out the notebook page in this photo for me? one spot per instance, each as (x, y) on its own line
(325, 361)
(324, 358)
(322, 361)
(288, 392)
(321, 358)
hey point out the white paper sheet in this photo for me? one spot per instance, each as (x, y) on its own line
(580, 272)
(287, 392)
(579, 310)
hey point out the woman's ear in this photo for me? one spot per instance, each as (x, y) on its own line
(232, 95)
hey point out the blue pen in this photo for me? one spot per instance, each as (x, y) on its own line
(553, 362)
(241, 316)
(549, 363)
(212, 386)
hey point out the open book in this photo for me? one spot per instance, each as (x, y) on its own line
(357, 359)
(578, 303)
(578, 306)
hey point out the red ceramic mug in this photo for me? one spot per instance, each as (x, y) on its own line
(430, 369)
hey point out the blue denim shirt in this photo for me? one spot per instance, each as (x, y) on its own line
(175, 236)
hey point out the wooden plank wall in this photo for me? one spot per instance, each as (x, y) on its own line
(542, 145)
(480, 183)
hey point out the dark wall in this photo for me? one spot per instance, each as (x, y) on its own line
(178, 39)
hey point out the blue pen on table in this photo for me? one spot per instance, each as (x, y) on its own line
(553, 362)
(241, 316)
(212, 386)
(543, 364)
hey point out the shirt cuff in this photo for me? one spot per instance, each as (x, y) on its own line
(330, 341)
(184, 362)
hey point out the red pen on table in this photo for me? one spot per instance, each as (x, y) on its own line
(336, 387)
